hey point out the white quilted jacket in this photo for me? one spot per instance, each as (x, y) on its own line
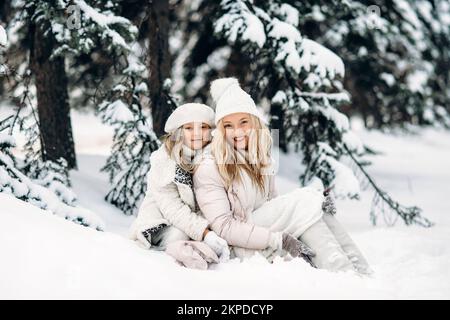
(169, 199)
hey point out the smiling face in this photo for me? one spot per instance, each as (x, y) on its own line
(237, 129)
(196, 135)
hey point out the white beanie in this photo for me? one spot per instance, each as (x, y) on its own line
(189, 112)
(230, 98)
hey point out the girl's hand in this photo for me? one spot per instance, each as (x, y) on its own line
(219, 245)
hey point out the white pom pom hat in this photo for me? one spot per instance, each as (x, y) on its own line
(189, 112)
(230, 98)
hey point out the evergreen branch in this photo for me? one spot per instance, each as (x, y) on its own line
(410, 215)
(5, 123)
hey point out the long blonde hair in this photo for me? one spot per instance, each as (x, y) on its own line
(173, 142)
(230, 161)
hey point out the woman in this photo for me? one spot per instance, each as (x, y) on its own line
(169, 211)
(235, 190)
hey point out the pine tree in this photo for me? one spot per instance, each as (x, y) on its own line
(54, 33)
(133, 141)
(390, 49)
(79, 29)
(53, 175)
(9, 176)
(42, 183)
(124, 107)
(50, 82)
(17, 184)
(50, 174)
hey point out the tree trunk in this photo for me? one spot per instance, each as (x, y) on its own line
(159, 63)
(53, 100)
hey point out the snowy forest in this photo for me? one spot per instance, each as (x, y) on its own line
(357, 92)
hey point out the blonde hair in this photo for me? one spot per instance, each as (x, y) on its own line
(230, 161)
(173, 143)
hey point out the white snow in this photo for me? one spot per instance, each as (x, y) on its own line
(291, 15)
(120, 87)
(242, 24)
(289, 53)
(352, 141)
(45, 256)
(326, 61)
(49, 199)
(106, 22)
(388, 78)
(3, 37)
(285, 30)
(288, 50)
(317, 14)
(413, 26)
(118, 111)
(141, 88)
(444, 12)
(218, 59)
(345, 183)
(279, 97)
(6, 138)
(341, 96)
(3, 69)
(254, 30)
(339, 119)
(417, 80)
(61, 33)
(134, 67)
(313, 80)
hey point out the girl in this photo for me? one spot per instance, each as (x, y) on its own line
(169, 211)
(235, 190)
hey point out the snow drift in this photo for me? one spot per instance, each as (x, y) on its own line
(47, 257)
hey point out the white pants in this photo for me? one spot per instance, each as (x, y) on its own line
(334, 248)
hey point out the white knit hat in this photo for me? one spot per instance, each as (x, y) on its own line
(230, 98)
(189, 112)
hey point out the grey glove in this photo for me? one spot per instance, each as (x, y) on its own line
(297, 248)
(328, 205)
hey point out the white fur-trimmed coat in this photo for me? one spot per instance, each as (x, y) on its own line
(169, 199)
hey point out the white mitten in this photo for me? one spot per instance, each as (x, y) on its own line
(219, 245)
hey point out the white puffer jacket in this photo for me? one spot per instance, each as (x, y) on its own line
(169, 199)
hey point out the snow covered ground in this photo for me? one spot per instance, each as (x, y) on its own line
(44, 256)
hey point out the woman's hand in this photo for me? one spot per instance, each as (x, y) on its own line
(293, 246)
(219, 245)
